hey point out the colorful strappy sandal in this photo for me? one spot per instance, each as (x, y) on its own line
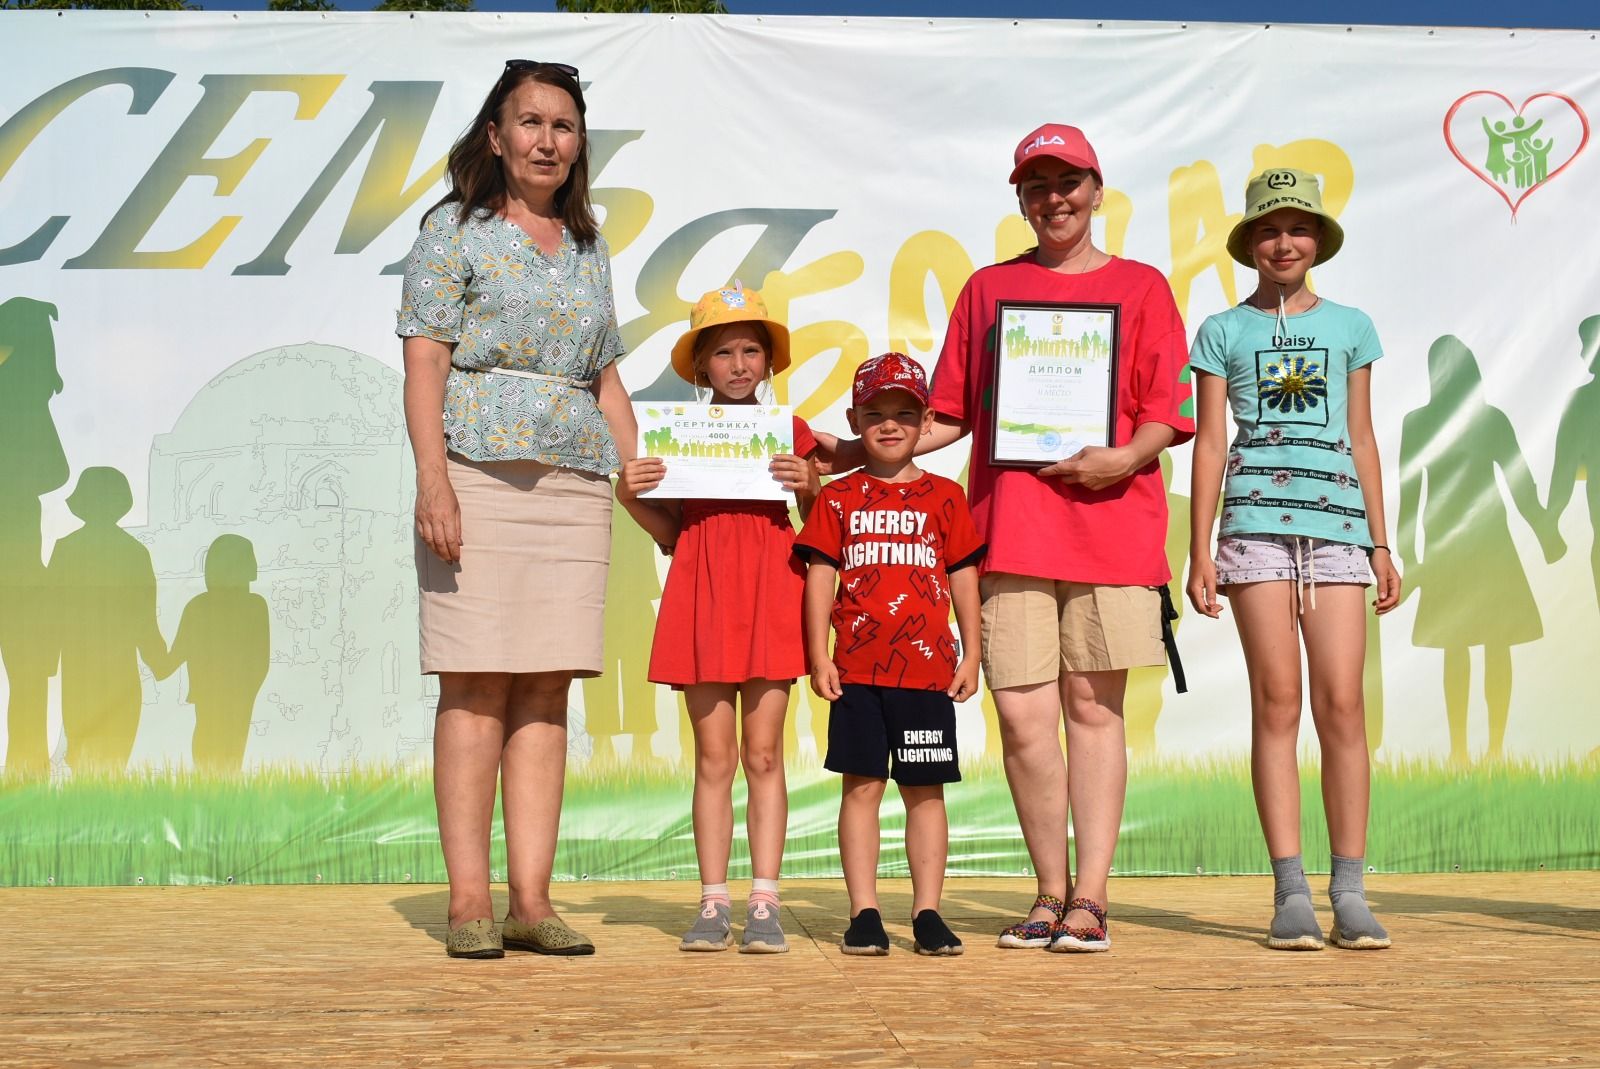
(1073, 939)
(1034, 934)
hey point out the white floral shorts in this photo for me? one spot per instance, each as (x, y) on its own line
(1262, 558)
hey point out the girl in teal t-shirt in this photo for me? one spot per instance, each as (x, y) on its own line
(1301, 536)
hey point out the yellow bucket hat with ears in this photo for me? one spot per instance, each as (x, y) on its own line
(731, 304)
(1284, 187)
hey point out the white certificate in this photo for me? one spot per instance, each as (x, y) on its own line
(716, 451)
(1055, 380)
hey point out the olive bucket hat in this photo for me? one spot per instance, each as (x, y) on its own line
(1284, 187)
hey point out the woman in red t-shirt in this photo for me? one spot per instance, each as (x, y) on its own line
(1077, 549)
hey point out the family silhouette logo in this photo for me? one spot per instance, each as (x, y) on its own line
(1521, 147)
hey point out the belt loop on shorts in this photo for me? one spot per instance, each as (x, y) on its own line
(1169, 639)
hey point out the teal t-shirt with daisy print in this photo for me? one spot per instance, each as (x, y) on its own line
(1289, 468)
(510, 311)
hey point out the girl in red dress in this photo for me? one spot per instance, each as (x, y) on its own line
(728, 633)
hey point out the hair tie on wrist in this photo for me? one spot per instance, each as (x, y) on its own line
(1379, 546)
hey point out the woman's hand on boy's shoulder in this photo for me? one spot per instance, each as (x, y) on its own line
(835, 455)
(965, 684)
(640, 476)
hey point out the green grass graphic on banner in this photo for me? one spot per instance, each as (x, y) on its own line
(1182, 817)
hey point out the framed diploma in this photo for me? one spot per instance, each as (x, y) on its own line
(715, 451)
(1055, 381)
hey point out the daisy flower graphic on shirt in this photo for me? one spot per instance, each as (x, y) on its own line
(1293, 384)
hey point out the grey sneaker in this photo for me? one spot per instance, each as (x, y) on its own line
(762, 934)
(1294, 925)
(1354, 926)
(712, 929)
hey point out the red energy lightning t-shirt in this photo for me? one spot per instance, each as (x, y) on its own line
(895, 545)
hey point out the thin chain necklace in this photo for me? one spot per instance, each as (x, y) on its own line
(1089, 263)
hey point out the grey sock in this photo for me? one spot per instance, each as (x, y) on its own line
(1288, 878)
(1294, 922)
(1353, 923)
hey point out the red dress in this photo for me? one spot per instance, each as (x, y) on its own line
(731, 606)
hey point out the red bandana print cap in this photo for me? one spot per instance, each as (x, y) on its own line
(891, 371)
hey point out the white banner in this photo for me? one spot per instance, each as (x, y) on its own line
(215, 204)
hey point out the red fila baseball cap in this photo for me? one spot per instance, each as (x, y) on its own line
(891, 371)
(1065, 143)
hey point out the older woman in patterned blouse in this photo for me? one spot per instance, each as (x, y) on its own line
(510, 330)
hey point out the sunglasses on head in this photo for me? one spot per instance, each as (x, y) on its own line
(530, 64)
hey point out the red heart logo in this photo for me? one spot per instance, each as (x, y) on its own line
(1527, 168)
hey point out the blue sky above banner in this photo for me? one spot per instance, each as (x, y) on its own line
(1550, 14)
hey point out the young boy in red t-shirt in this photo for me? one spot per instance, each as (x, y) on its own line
(891, 548)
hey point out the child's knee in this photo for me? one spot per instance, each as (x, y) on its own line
(915, 797)
(863, 789)
(716, 764)
(1277, 706)
(1340, 719)
(761, 761)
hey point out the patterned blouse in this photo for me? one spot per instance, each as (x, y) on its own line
(530, 332)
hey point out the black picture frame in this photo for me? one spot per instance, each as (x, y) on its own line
(1112, 361)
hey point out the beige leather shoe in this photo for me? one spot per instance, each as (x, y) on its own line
(550, 936)
(475, 939)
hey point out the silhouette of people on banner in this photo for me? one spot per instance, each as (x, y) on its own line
(104, 619)
(1473, 589)
(1529, 160)
(32, 464)
(1495, 162)
(1578, 446)
(622, 701)
(224, 639)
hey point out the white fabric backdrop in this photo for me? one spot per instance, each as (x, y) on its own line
(851, 155)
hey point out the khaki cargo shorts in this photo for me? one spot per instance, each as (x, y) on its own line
(1036, 629)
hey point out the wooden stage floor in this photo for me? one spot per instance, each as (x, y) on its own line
(1497, 970)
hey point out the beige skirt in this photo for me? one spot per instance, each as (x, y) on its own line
(529, 593)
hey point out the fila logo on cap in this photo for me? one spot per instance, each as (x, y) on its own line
(1041, 141)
